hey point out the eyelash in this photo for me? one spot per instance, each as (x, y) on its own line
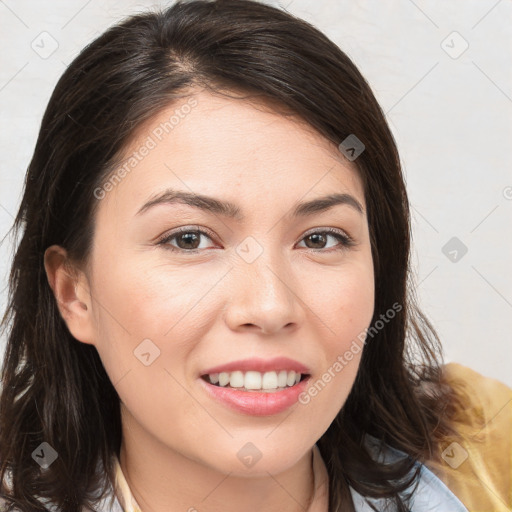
(346, 240)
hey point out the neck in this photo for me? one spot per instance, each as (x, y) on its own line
(162, 479)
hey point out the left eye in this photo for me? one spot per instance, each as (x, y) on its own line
(322, 236)
(189, 240)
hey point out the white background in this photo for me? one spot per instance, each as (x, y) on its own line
(450, 114)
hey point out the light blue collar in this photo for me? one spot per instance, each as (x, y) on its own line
(431, 494)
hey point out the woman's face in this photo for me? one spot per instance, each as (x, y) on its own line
(264, 279)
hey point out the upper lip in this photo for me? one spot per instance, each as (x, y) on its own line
(260, 365)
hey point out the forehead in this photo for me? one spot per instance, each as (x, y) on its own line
(210, 144)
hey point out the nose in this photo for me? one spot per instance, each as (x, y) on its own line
(263, 296)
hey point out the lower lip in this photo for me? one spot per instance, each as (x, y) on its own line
(254, 403)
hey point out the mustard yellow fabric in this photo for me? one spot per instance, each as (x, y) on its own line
(477, 466)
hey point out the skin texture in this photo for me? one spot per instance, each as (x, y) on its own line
(302, 298)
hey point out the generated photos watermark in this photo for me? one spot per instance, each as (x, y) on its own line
(151, 142)
(344, 359)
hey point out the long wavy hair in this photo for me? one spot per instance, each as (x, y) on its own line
(55, 389)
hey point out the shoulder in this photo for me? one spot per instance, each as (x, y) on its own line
(477, 464)
(485, 390)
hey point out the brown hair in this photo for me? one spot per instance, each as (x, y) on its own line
(56, 390)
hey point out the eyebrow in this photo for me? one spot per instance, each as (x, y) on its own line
(231, 210)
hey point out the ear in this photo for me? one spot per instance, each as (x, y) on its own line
(72, 293)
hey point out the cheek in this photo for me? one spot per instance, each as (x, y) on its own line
(346, 308)
(150, 301)
(353, 316)
(158, 303)
(147, 328)
(344, 302)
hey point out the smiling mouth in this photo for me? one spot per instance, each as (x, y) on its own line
(268, 382)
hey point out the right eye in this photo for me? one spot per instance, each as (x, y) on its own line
(188, 240)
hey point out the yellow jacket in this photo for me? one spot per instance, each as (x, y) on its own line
(477, 467)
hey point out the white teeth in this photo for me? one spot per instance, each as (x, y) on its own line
(252, 380)
(256, 380)
(236, 380)
(282, 378)
(223, 379)
(269, 380)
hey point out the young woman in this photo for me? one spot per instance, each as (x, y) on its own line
(210, 304)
